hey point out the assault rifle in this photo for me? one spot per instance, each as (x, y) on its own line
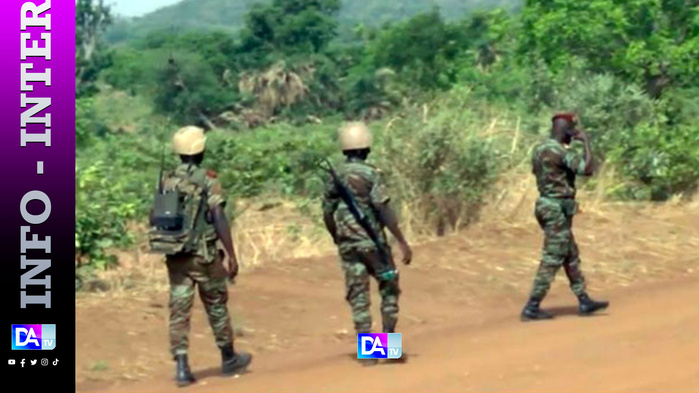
(385, 271)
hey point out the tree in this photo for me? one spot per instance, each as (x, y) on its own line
(653, 42)
(420, 49)
(189, 89)
(290, 26)
(489, 35)
(217, 48)
(91, 19)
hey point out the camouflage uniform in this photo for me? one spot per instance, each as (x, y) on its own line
(358, 253)
(555, 169)
(203, 267)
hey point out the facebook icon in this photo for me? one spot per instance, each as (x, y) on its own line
(379, 346)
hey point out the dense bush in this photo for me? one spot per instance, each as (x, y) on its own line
(102, 211)
(608, 107)
(656, 152)
(441, 164)
(87, 126)
(659, 161)
(264, 163)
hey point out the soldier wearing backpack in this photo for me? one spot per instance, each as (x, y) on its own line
(187, 219)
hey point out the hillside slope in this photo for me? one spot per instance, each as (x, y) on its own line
(229, 15)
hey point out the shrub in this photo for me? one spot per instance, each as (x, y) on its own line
(657, 158)
(102, 211)
(276, 160)
(84, 122)
(608, 108)
(442, 166)
(659, 161)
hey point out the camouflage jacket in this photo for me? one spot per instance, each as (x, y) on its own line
(367, 185)
(555, 169)
(213, 192)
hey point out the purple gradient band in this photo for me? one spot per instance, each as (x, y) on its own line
(58, 182)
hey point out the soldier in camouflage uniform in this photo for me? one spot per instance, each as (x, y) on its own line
(358, 253)
(201, 266)
(555, 168)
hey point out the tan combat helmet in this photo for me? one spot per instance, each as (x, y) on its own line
(189, 141)
(355, 136)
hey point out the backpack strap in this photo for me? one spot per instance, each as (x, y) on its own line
(198, 177)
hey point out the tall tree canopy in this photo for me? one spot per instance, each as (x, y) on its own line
(91, 19)
(654, 42)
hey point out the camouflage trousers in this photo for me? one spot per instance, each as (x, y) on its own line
(358, 267)
(185, 273)
(555, 217)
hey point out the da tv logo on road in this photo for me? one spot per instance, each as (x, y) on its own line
(379, 346)
(33, 337)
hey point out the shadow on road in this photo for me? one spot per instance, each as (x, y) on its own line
(572, 311)
(214, 372)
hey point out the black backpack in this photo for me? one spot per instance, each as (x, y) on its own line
(178, 214)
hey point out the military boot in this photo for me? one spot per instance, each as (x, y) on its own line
(588, 306)
(232, 362)
(183, 375)
(390, 327)
(366, 362)
(532, 312)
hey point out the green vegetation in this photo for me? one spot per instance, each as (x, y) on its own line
(454, 102)
(91, 19)
(229, 16)
(100, 365)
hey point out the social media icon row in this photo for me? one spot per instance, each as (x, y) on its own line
(33, 362)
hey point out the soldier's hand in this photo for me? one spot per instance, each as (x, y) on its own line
(407, 253)
(232, 270)
(580, 135)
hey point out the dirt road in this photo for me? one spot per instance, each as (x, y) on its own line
(459, 321)
(646, 342)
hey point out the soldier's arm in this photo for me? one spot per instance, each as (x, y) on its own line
(589, 159)
(330, 225)
(223, 231)
(381, 202)
(579, 165)
(388, 218)
(330, 202)
(217, 202)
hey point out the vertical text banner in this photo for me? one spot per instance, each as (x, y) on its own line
(37, 203)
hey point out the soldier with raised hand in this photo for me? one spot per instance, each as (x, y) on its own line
(555, 168)
(360, 257)
(192, 258)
